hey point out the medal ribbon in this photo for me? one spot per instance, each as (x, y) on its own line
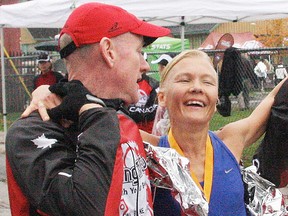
(208, 175)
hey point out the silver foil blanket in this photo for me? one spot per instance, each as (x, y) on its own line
(170, 170)
(264, 197)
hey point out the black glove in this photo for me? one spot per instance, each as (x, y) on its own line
(74, 95)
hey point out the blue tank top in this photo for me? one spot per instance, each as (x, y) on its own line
(227, 195)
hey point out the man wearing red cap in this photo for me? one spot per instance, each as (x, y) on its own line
(89, 158)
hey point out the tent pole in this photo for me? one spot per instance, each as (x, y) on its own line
(3, 82)
(182, 32)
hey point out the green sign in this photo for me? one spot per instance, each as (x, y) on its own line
(167, 44)
(162, 45)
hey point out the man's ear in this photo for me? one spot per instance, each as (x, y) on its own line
(107, 50)
(161, 99)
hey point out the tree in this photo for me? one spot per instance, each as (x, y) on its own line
(274, 33)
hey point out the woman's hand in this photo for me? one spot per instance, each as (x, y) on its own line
(150, 138)
(42, 99)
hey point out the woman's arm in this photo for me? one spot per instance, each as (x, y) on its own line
(150, 138)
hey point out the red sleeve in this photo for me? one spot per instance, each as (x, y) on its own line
(18, 202)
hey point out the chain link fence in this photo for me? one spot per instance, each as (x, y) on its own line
(19, 74)
(253, 88)
(20, 71)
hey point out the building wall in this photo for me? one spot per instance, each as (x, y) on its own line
(257, 27)
(197, 40)
(11, 35)
(27, 41)
(238, 27)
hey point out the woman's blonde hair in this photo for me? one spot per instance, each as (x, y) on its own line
(178, 58)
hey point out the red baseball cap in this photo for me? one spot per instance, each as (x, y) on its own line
(90, 22)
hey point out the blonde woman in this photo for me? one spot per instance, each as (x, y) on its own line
(189, 91)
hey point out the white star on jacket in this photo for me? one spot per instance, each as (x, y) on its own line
(43, 142)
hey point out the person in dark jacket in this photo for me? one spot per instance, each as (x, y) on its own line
(47, 76)
(143, 112)
(271, 157)
(89, 159)
(249, 79)
(231, 78)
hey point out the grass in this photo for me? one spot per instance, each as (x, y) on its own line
(217, 122)
(11, 117)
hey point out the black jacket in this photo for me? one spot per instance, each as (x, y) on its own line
(90, 170)
(272, 154)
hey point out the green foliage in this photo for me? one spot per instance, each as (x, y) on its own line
(249, 152)
(11, 117)
(219, 121)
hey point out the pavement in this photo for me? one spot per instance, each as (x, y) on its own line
(4, 200)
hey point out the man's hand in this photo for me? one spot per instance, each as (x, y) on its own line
(42, 99)
(75, 97)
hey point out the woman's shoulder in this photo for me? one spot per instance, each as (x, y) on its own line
(230, 140)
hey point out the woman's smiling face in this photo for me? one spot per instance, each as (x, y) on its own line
(190, 90)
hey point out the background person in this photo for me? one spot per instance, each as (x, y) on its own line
(280, 73)
(269, 66)
(47, 76)
(162, 61)
(143, 112)
(270, 70)
(59, 66)
(261, 71)
(230, 80)
(271, 157)
(161, 122)
(89, 159)
(249, 79)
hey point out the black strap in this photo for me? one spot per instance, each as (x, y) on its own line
(67, 50)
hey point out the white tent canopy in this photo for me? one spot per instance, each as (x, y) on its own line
(53, 13)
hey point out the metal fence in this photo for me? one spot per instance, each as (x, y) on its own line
(252, 85)
(20, 71)
(19, 74)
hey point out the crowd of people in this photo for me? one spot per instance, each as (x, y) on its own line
(78, 148)
(239, 73)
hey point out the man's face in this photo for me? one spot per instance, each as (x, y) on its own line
(44, 66)
(119, 64)
(130, 66)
